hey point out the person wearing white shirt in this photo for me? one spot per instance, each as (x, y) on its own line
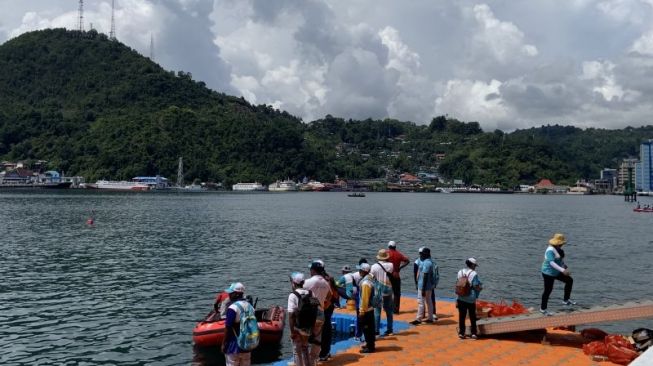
(381, 271)
(298, 337)
(322, 291)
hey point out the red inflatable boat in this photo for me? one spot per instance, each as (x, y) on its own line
(643, 210)
(210, 333)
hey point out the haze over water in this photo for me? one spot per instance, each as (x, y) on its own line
(130, 289)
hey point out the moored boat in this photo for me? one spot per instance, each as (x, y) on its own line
(119, 186)
(283, 186)
(208, 333)
(248, 187)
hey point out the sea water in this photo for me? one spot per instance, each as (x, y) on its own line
(130, 288)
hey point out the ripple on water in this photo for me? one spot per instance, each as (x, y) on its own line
(130, 289)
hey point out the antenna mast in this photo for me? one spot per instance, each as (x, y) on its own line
(151, 47)
(180, 173)
(80, 12)
(112, 34)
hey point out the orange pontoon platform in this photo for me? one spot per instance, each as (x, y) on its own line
(438, 344)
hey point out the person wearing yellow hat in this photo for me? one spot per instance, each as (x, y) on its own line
(382, 271)
(554, 268)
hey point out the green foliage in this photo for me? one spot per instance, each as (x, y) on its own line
(95, 107)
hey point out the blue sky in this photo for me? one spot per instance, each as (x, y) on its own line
(506, 64)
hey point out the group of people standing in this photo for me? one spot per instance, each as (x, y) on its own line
(376, 288)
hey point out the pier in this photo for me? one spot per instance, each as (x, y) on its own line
(438, 344)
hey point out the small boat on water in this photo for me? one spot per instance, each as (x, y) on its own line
(643, 209)
(210, 333)
(356, 194)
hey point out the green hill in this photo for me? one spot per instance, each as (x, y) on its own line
(96, 108)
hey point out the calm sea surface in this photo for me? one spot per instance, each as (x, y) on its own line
(130, 289)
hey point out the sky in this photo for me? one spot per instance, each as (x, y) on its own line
(506, 64)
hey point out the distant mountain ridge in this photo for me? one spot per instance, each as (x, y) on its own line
(95, 107)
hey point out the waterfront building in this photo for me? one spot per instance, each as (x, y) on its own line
(609, 176)
(643, 169)
(622, 176)
(156, 182)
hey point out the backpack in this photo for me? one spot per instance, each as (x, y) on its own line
(463, 287)
(307, 309)
(376, 299)
(249, 335)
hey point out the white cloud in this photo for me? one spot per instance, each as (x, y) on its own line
(495, 62)
(502, 39)
(473, 100)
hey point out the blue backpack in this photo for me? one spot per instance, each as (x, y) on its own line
(249, 335)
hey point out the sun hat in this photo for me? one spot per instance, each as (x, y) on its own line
(472, 260)
(297, 277)
(558, 239)
(392, 244)
(365, 267)
(235, 287)
(346, 268)
(383, 255)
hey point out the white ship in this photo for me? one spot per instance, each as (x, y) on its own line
(248, 187)
(285, 186)
(119, 186)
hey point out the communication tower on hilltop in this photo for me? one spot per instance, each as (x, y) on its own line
(80, 13)
(112, 34)
(151, 47)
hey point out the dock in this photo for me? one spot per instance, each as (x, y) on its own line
(597, 314)
(438, 344)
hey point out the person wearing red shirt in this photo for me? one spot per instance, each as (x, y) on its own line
(398, 261)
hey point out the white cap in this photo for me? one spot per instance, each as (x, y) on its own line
(472, 261)
(421, 249)
(365, 267)
(235, 287)
(297, 277)
(392, 244)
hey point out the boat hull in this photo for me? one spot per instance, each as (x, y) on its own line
(271, 324)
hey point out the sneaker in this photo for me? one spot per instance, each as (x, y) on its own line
(416, 322)
(461, 336)
(366, 350)
(546, 312)
(388, 333)
(474, 337)
(429, 321)
(324, 358)
(569, 302)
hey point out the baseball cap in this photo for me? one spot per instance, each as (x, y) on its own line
(346, 268)
(421, 249)
(392, 244)
(472, 261)
(297, 277)
(235, 287)
(364, 267)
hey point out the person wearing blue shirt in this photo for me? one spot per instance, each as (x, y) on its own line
(467, 303)
(234, 355)
(426, 281)
(554, 268)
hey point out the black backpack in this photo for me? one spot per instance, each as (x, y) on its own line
(307, 308)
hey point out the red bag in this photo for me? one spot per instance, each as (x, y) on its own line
(621, 355)
(593, 334)
(595, 348)
(618, 340)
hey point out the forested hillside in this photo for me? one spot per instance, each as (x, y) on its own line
(96, 108)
